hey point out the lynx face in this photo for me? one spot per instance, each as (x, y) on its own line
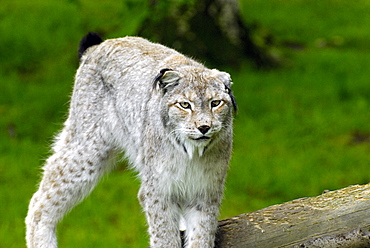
(196, 108)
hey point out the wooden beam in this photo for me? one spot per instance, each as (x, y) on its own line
(338, 218)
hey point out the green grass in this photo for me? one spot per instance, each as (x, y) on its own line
(301, 129)
(296, 130)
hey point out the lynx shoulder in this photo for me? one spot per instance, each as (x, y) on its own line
(168, 114)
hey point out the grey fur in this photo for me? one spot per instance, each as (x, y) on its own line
(162, 131)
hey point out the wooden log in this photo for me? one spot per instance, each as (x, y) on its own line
(338, 218)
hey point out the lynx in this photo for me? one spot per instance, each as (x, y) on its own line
(171, 116)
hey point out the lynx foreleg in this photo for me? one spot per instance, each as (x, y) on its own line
(163, 217)
(201, 223)
(70, 174)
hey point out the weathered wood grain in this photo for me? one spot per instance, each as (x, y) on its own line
(338, 218)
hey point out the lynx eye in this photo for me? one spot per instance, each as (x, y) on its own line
(215, 103)
(185, 105)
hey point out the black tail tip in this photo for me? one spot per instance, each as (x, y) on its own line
(89, 40)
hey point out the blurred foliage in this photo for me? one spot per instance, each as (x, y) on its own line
(34, 30)
(301, 128)
(191, 27)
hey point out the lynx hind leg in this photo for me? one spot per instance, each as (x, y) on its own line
(70, 174)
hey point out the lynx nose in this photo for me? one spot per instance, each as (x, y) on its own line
(204, 129)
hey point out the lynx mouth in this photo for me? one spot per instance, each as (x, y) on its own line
(202, 138)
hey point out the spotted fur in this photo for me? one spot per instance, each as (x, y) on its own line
(169, 115)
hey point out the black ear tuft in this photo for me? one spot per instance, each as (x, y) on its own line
(233, 101)
(89, 40)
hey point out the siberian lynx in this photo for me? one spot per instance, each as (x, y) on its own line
(171, 116)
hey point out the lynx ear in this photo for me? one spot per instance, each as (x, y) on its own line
(91, 39)
(165, 79)
(226, 79)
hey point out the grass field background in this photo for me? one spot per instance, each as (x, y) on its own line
(301, 128)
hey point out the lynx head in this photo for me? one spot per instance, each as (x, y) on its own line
(196, 107)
